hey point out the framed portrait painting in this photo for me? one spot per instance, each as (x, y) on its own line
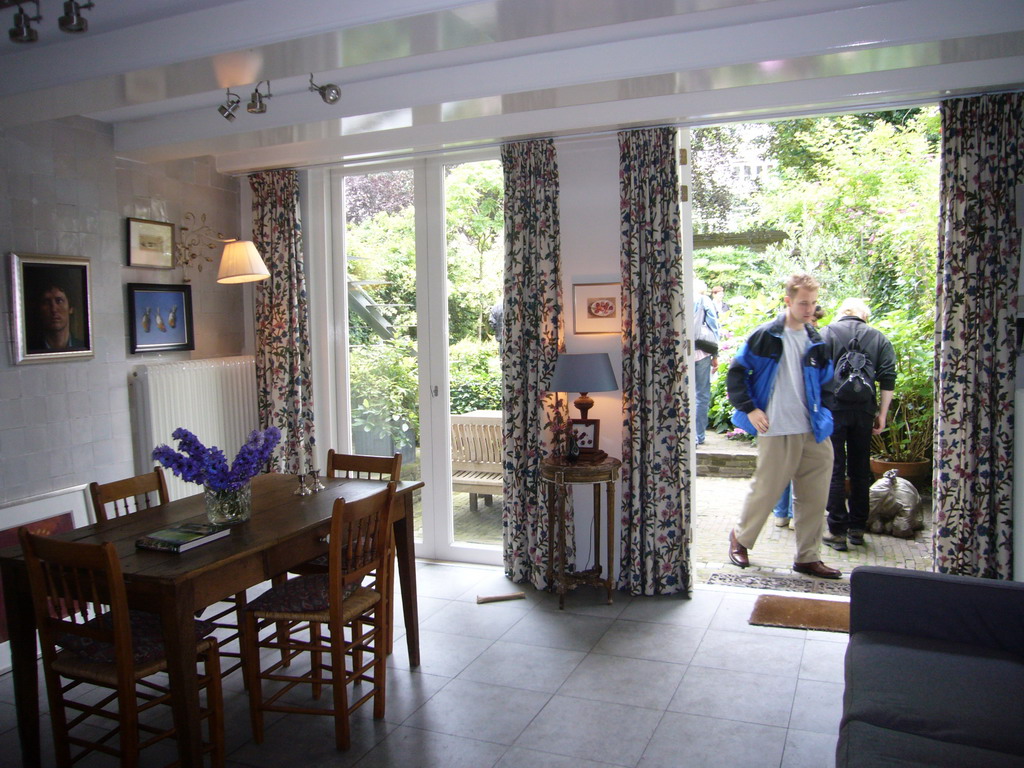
(160, 317)
(150, 244)
(51, 308)
(597, 307)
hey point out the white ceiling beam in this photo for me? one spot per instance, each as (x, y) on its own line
(318, 144)
(236, 26)
(851, 37)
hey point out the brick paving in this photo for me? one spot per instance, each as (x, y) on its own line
(718, 504)
(724, 467)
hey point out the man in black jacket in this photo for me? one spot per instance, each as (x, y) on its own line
(856, 416)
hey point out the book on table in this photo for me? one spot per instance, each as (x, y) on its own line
(182, 537)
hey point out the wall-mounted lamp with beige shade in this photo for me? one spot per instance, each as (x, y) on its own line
(240, 261)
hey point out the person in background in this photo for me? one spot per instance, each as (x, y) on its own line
(856, 418)
(703, 361)
(775, 383)
(784, 508)
(718, 298)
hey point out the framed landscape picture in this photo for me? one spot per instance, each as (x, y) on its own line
(160, 317)
(597, 307)
(150, 244)
(51, 308)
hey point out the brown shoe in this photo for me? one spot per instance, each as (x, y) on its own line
(737, 552)
(818, 569)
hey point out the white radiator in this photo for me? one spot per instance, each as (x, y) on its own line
(215, 399)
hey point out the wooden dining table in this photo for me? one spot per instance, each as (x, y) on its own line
(285, 530)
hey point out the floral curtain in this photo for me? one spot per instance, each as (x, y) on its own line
(531, 337)
(656, 511)
(979, 255)
(283, 361)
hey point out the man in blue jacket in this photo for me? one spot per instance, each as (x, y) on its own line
(775, 385)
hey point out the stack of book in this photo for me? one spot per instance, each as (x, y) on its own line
(182, 537)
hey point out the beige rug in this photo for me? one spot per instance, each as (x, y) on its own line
(801, 613)
(758, 580)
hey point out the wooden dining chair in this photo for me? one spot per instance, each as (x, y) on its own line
(128, 495)
(134, 493)
(357, 467)
(89, 637)
(364, 467)
(350, 601)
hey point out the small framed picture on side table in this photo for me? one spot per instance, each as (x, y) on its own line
(586, 432)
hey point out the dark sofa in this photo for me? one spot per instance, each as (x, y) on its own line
(934, 671)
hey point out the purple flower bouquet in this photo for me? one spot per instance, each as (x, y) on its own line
(227, 487)
(195, 463)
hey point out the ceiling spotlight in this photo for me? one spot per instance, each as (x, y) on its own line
(330, 93)
(22, 31)
(257, 102)
(72, 20)
(227, 109)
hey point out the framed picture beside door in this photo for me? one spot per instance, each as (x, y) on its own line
(597, 307)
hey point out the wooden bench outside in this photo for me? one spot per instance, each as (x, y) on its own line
(477, 456)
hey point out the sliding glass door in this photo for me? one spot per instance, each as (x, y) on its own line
(380, 279)
(422, 259)
(475, 256)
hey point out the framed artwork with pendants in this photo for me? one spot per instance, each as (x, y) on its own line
(597, 307)
(160, 317)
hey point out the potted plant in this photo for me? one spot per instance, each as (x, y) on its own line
(906, 442)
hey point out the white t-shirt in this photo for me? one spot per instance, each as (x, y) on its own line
(787, 408)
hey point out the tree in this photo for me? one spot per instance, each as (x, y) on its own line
(797, 156)
(475, 221)
(381, 255)
(713, 149)
(864, 219)
(858, 199)
(368, 194)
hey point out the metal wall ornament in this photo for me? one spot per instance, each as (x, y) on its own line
(197, 243)
(51, 308)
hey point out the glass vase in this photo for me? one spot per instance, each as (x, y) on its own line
(228, 507)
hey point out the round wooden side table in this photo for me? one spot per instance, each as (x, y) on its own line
(558, 474)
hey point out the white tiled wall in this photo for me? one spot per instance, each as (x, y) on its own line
(63, 192)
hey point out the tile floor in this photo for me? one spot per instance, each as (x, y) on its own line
(648, 682)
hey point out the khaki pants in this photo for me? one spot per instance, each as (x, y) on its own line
(779, 460)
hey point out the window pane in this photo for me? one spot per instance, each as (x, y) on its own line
(380, 246)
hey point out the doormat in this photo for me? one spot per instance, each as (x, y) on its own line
(781, 583)
(801, 613)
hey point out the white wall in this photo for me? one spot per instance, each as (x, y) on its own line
(63, 192)
(589, 199)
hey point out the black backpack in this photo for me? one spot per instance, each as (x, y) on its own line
(853, 381)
